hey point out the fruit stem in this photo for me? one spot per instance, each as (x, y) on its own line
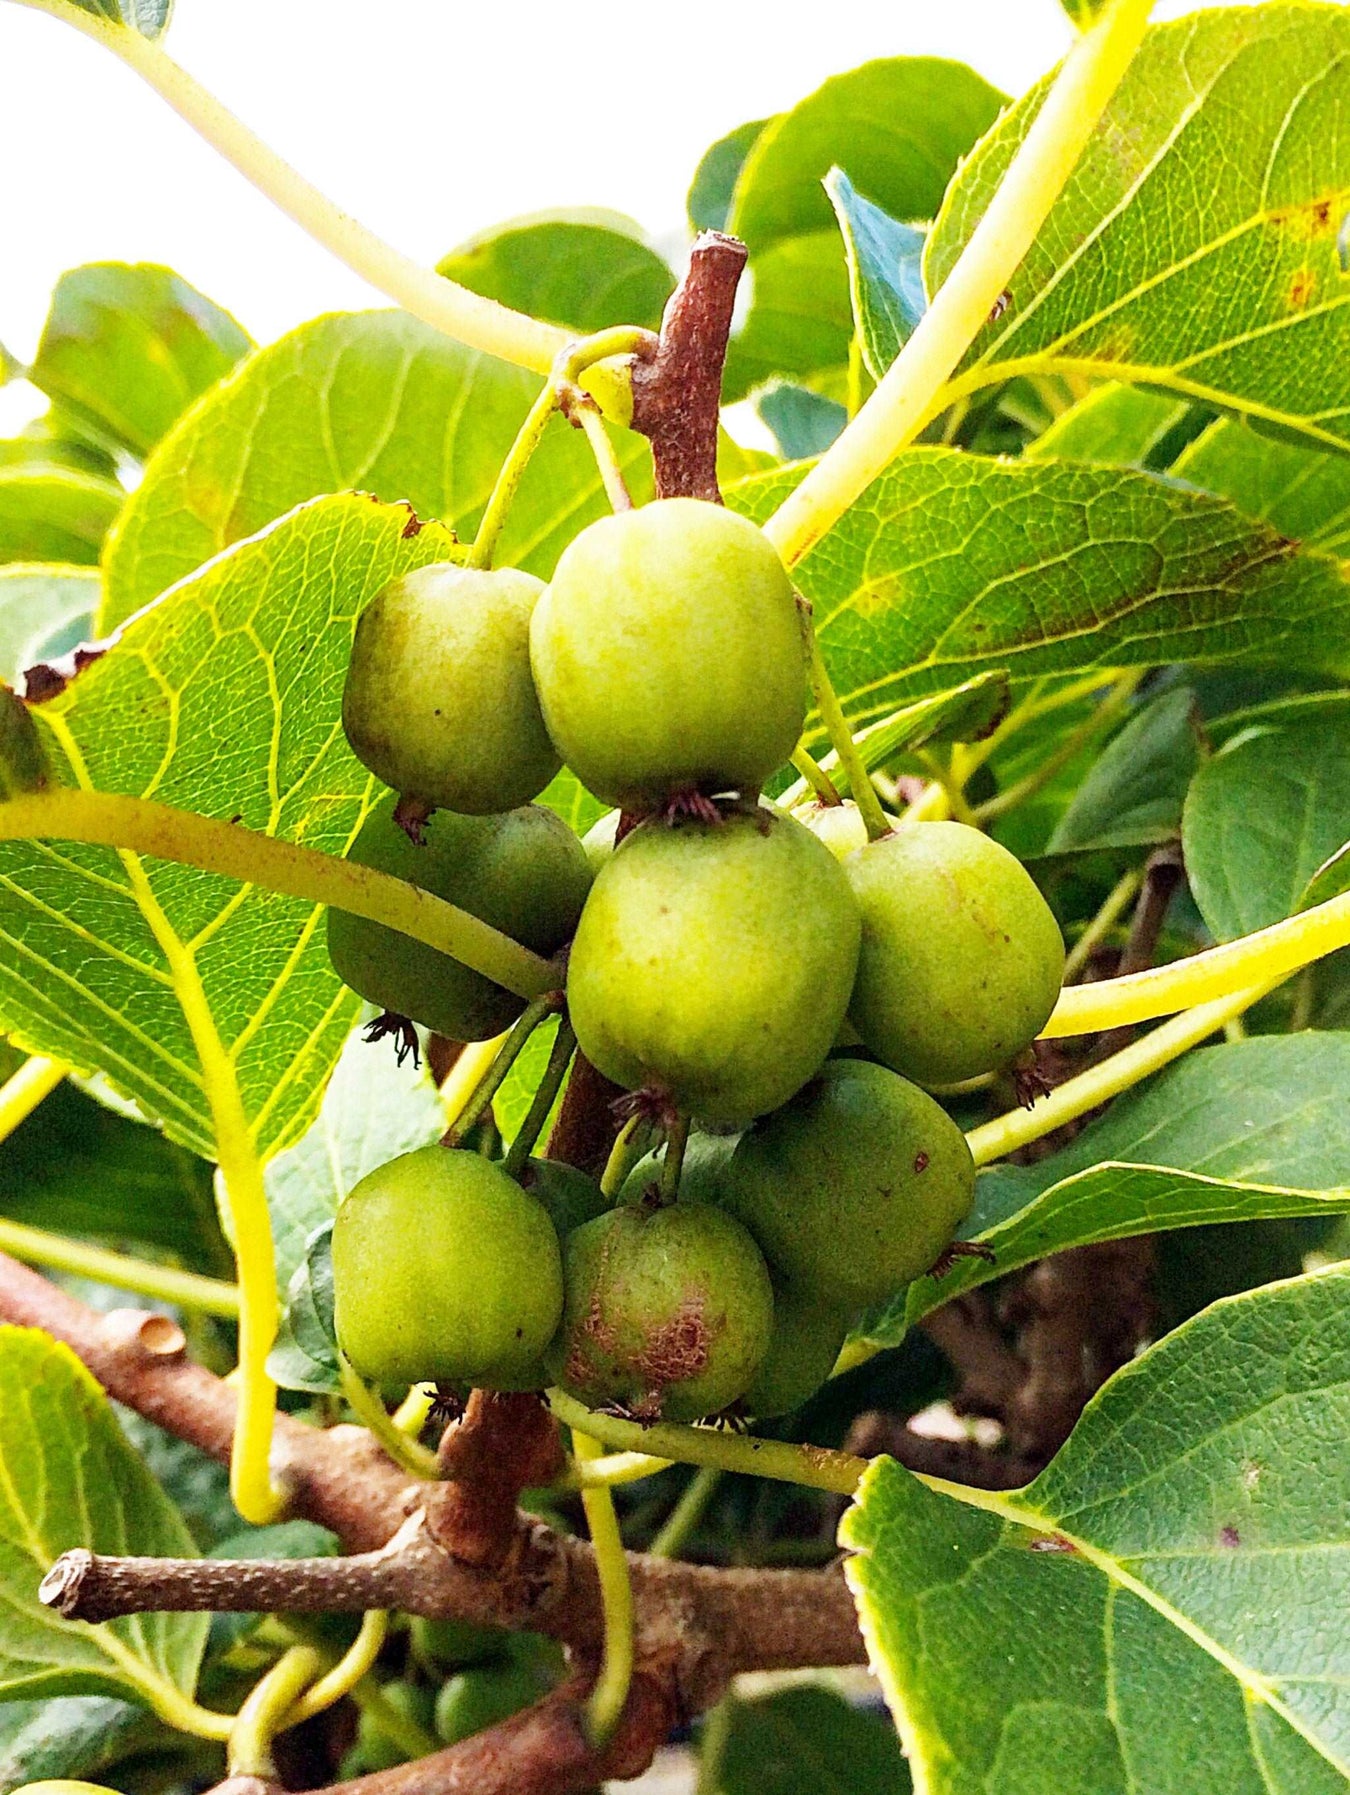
(911, 391)
(680, 1523)
(541, 1104)
(672, 1163)
(509, 477)
(264, 1712)
(607, 1698)
(816, 1467)
(20, 1095)
(410, 1417)
(1076, 1096)
(585, 412)
(615, 1467)
(448, 307)
(407, 1453)
(145, 826)
(354, 1664)
(1114, 906)
(161, 1283)
(815, 776)
(491, 1081)
(841, 736)
(621, 1158)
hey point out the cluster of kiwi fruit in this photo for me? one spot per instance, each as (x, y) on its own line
(794, 990)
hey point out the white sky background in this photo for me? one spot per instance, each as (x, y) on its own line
(427, 119)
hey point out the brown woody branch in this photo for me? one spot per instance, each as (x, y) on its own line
(677, 393)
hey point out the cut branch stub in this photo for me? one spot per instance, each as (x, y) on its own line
(677, 393)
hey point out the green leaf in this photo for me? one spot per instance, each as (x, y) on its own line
(1329, 881)
(67, 1736)
(1162, 1609)
(50, 512)
(1300, 491)
(804, 423)
(800, 322)
(233, 681)
(148, 17)
(373, 1110)
(70, 1479)
(965, 714)
(1252, 1129)
(1134, 794)
(77, 1167)
(1082, 12)
(714, 183)
(574, 804)
(45, 610)
(1195, 247)
(1122, 425)
(1261, 818)
(521, 1082)
(305, 1356)
(897, 127)
(369, 400)
(801, 1741)
(127, 348)
(885, 273)
(585, 269)
(951, 565)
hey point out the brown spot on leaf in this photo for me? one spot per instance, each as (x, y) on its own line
(1052, 1542)
(1228, 1536)
(1302, 287)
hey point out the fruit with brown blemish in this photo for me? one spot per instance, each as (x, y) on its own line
(440, 701)
(962, 959)
(854, 1188)
(667, 1314)
(444, 1269)
(668, 656)
(524, 872)
(713, 963)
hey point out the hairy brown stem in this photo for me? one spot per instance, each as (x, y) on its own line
(505, 1442)
(677, 394)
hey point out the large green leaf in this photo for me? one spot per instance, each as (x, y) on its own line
(1252, 1129)
(67, 1736)
(1123, 425)
(804, 423)
(714, 184)
(45, 610)
(952, 565)
(77, 1167)
(126, 348)
(372, 1110)
(584, 270)
(897, 127)
(1261, 818)
(50, 512)
(1300, 491)
(223, 698)
(1162, 1612)
(374, 401)
(885, 273)
(1195, 246)
(1134, 794)
(69, 1478)
(801, 1741)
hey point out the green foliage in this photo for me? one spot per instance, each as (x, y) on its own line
(1231, 1134)
(1196, 247)
(1247, 867)
(885, 273)
(1148, 1606)
(1117, 569)
(1134, 794)
(585, 270)
(71, 1479)
(125, 349)
(368, 400)
(219, 679)
(53, 513)
(802, 1741)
